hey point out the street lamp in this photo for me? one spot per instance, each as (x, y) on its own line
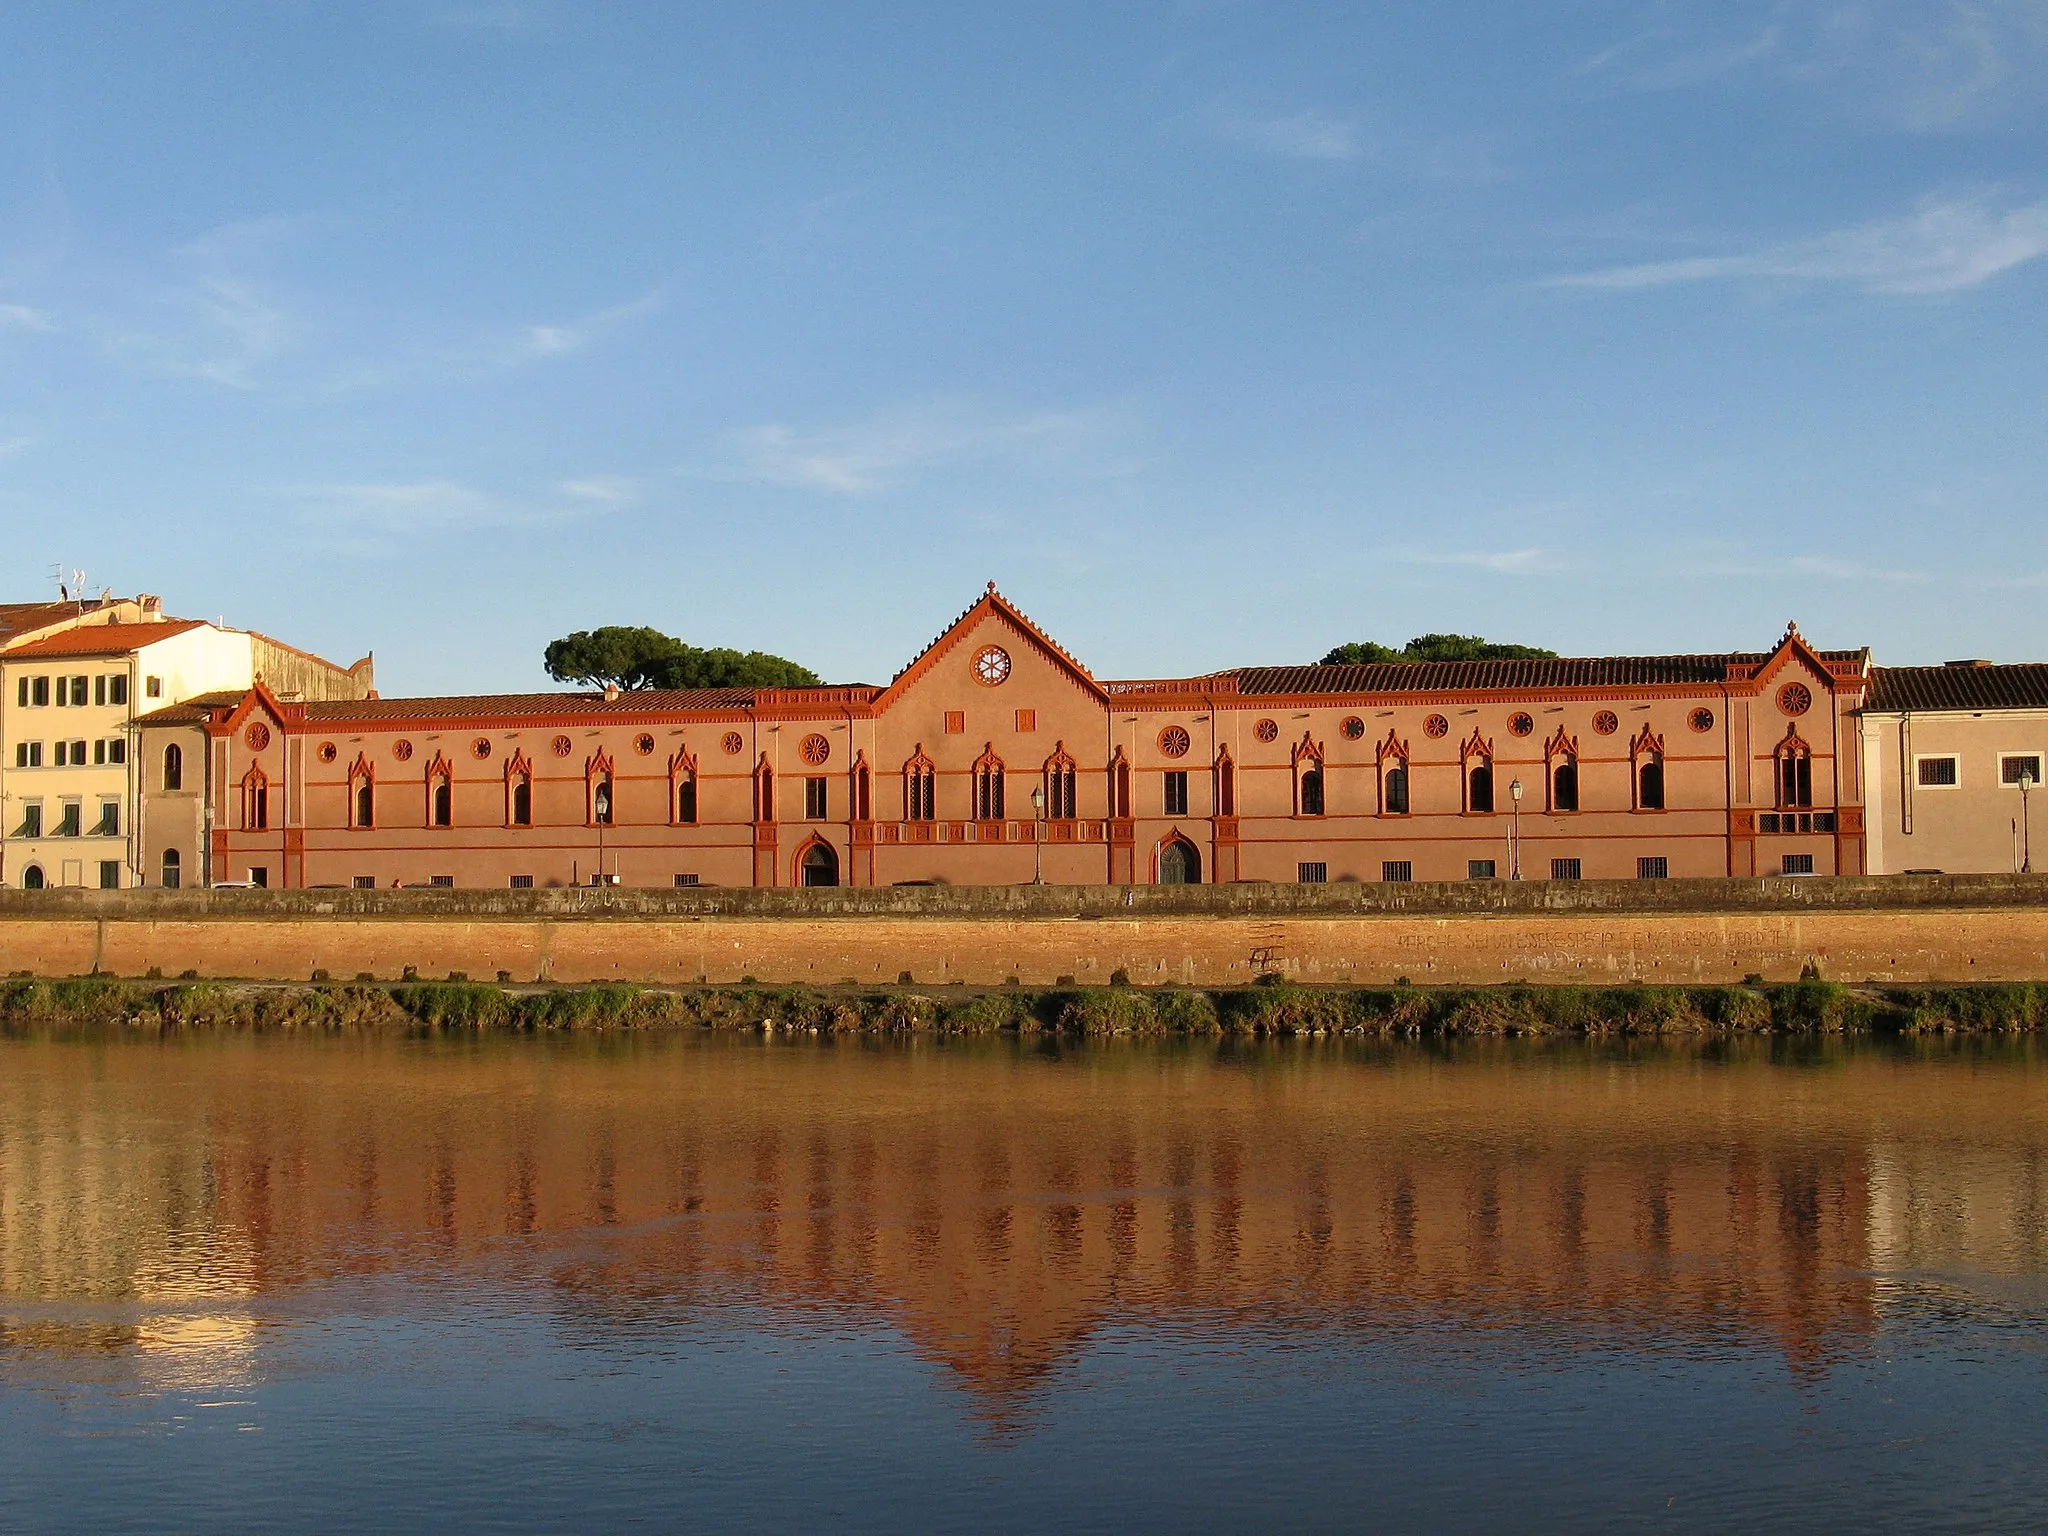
(1037, 838)
(2026, 831)
(1515, 836)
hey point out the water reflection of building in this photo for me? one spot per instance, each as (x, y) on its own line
(999, 1212)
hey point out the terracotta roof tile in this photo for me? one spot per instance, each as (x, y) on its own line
(630, 702)
(1960, 687)
(1504, 676)
(102, 639)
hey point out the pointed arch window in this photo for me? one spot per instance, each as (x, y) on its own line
(988, 785)
(1794, 765)
(519, 791)
(1646, 768)
(440, 792)
(256, 800)
(362, 794)
(1561, 760)
(764, 790)
(1476, 761)
(920, 788)
(1393, 761)
(860, 796)
(1308, 777)
(1226, 784)
(1059, 784)
(1120, 786)
(682, 788)
(600, 791)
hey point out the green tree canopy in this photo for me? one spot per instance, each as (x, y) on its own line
(638, 657)
(1434, 648)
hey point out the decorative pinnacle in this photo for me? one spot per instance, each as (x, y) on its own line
(991, 587)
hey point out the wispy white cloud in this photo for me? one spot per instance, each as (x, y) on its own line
(1307, 135)
(611, 490)
(21, 317)
(880, 454)
(1945, 245)
(559, 338)
(1507, 562)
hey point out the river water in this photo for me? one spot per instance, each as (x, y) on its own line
(276, 1284)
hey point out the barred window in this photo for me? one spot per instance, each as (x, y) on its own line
(1479, 869)
(1658, 868)
(1564, 869)
(1397, 871)
(1317, 873)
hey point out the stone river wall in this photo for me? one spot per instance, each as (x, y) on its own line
(1901, 929)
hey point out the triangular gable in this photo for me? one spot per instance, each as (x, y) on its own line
(258, 697)
(1793, 645)
(992, 604)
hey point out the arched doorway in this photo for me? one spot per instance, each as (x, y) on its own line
(819, 865)
(32, 878)
(1179, 863)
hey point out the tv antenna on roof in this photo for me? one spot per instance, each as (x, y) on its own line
(75, 588)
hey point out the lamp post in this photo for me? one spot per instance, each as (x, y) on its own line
(1037, 837)
(1515, 836)
(2026, 830)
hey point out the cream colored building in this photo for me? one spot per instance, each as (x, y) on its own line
(1953, 758)
(70, 784)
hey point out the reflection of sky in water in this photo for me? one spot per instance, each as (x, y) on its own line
(310, 1284)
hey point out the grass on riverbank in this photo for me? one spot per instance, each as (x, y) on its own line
(1810, 1007)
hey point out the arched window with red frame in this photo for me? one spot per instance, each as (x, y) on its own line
(860, 794)
(362, 794)
(440, 792)
(988, 785)
(1561, 771)
(920, 787)
(600, 789)
(764, 790)
(519, 790)
(1646, 769)
(1794, 764)
(1309, 799)
(1059, 784)
(256, 799)
(1475, 762)
(1119, 786)
(1393, 765)
(682, 788)
(1226, 784)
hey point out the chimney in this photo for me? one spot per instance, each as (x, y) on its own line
(151, 603)
(611, 693)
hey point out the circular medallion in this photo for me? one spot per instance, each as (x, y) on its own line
(991, 665)
(258, 736)
(1353, 728)
(1436, 725)
(562, 746)
(1701, 720)
(1520, 724)
(814, 750)
(1795, 698)
(327, 752)
(643, 744)
(732, 742)
(402, 750)
(1173, 741)
(1606, 722)
(480, 748)
(1267, 730)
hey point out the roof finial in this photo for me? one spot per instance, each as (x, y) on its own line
(991, 589)
(1792, 630)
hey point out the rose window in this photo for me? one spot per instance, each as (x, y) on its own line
(815, 750)
(643, 744)
(1267, 730)
(562, 745)
(480, 748)
(1353, 728)
(991, 665)
(1436, 725)
(1795, 698)
(258, 737)
(732, 741)
(1606, 722)
(1521, 724)
(1173, 741)
(402, 750)
(1701, 720)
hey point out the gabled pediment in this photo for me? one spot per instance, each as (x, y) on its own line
(992, 609)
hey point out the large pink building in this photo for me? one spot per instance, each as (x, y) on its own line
(996, 757)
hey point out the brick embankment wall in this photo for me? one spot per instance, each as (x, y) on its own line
(1936, 929)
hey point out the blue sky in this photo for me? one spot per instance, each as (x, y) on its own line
(1216, 333)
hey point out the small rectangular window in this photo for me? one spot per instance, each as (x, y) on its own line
(1312, 874)
(117, 688)
(71, 822)
(28, 754)
(99, 752)
(1823, 821)
(1397, 871)
(153, 686)
(21, 692)
(1027, 721)
(99, 690)
(1564, 869)
(441, 882)
(117, 749)
(1479, 869)
(110, 819)
(1176, 800)
(259, 877)
(956, 722)
(39, 691)
(686, 879)
(63, 692)
(1658, 868)
(110, 874)
(522, 882)
(1938, 773)
(1796, 864)
(816, 799)
(2014, 766)
(79, 687)
(31, 819)
(364, 882)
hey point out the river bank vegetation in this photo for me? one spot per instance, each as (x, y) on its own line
(1273, 1008)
